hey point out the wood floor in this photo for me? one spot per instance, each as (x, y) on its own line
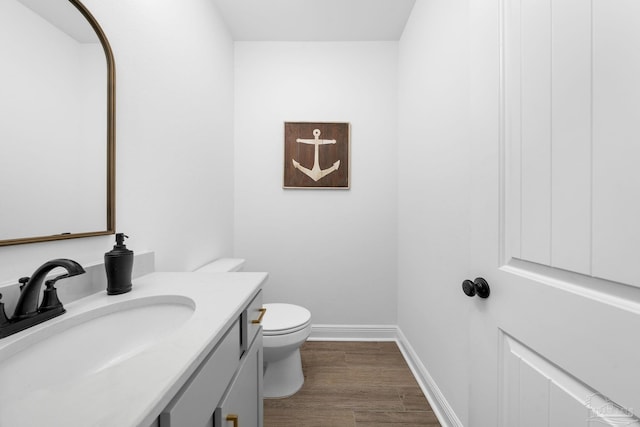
(350, 384)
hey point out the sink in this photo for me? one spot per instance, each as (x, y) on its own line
(81, 345)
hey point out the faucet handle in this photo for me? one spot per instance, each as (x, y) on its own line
(3, 316)
(23, 281)
(50, 299)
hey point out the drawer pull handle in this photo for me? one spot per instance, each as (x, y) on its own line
(259, 319)
(234, 418)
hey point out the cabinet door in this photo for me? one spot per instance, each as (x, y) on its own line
(242, 404)
(195, 403)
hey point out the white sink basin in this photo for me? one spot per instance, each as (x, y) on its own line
(76, 346)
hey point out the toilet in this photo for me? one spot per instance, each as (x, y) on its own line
(285, 327)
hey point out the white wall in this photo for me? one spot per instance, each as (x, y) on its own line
(433, 209)
(332, 251)
(174, 65)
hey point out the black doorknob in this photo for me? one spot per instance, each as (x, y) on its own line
(478, 287)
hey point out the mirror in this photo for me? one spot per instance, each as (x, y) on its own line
(57, 123)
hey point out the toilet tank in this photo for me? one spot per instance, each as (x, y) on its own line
(223, 265)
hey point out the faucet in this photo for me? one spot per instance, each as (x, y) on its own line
(27, 313)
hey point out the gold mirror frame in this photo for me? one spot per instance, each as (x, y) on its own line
(111, 143)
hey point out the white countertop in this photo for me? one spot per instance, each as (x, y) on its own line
(134, 391)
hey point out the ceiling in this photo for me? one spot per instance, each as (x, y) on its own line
(315, 20)
(65, 17)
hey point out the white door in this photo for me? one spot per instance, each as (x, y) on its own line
(555, 111)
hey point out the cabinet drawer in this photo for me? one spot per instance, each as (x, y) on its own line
(251, 320)
(196, 402)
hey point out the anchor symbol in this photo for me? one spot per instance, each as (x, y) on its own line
(315, 173)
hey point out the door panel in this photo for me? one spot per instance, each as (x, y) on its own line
(616, 140)
(555, 229)
(570, 113)
(547, 88)
(572, 102)
(583, 333)
(541, 394)
(535, 131)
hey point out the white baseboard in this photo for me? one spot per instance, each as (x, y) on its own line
(353, 333)
(439, 404)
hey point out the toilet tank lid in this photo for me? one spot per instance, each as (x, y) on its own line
(280, 317)
(223, 265)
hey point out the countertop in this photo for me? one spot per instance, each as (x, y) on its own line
(134, 391)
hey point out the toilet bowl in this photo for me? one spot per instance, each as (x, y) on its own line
(285, 327)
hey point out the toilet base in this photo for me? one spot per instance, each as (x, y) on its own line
(284, 377)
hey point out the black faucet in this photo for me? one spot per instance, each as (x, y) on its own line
(27, 312)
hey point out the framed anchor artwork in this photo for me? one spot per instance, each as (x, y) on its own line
(316, 155)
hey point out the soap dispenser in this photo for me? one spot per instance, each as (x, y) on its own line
(119, 265)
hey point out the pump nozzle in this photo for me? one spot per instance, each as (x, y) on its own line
(120, 239)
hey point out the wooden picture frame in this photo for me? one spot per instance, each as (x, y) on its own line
(317, 155)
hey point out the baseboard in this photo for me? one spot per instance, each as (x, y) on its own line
(353, 333)
(439, 404)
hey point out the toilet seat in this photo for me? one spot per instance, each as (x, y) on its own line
(282, 319)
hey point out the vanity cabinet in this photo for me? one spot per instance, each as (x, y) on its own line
(227, 383)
